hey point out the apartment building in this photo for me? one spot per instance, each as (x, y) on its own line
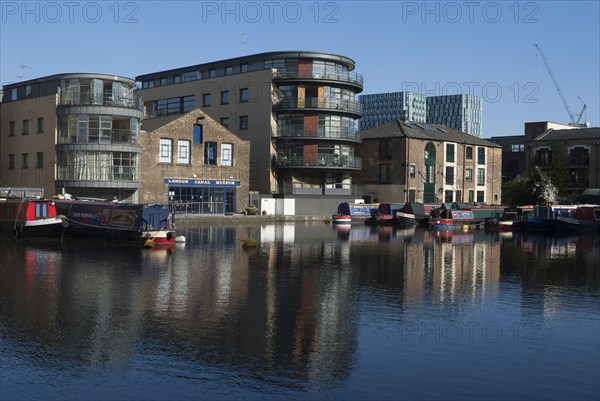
(75, 133)
(408, 161)
(297, 109)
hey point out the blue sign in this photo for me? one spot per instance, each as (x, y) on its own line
(202, 183)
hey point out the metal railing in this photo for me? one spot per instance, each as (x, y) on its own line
(350, 77)
(320, 103)
(322, 160)
(101, 136)
(82, 96)
(97, 173)
(321, 132)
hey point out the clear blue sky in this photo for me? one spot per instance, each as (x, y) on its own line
(479, 47)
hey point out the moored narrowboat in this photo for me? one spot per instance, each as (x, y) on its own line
(30, 217)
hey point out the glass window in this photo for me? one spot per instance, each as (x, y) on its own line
(450, 153)
(206, 99)
(166, 150)
(517, 147)
(210, 153)
(225, 122)
(449, 175)
(228, 70)
(480, 155)
(469, 153)
(385, 173)
(190, 76)
(11, 128)
(385, 149)
(39, 160)
(469, 175)
(243, 122)
(189, 102)
(480, 176)
(24, 160)
(244, 67)
(471, 196)
(480, 196)
(225, 97)
(212, 73)
(243, 95)
(183, 152)
(40, 125)
(449, 196)
(25, 127)
(227, 154)
(11, 162)
(412, 171)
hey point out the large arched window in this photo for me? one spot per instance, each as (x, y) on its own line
(430, 151)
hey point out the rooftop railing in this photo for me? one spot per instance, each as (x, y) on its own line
(322, 160)
(79, 96)
(350, 77)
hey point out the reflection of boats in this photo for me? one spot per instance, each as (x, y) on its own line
(512, 219)
(349, 212)
(586, 218)
(30, 217)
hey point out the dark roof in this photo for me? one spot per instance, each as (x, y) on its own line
(432, 132)
(566, 134)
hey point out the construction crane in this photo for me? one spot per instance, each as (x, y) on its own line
(574, 122)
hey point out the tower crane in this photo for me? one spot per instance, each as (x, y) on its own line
(574, 122)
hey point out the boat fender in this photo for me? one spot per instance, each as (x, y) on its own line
(149, 243)
(398, 215)
(169, 235)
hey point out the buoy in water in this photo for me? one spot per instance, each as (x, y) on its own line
(180, 238)
(149, 243)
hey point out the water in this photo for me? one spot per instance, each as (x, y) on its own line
(314, 312)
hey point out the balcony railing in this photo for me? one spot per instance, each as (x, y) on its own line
(321, 132)
(101, 136)
(322, 160)
(320, 103)
(350, 77)
(81, 96)
(87, 172)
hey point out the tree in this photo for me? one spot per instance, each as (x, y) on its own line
(542, 187)
(518, 192)
(559, 172)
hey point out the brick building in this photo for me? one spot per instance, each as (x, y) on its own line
(194, 163)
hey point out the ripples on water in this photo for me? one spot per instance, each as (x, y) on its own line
(315, 311)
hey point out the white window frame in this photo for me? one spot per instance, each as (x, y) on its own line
(165, 152)
(183, 152)
(227, 154)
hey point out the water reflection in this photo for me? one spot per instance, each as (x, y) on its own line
(287, 314)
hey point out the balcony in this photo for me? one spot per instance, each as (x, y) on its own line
(322, 161)
(82, 96)
(97, 173)
(346, 106)
(100, 136)
(349, 134)
(352, 78)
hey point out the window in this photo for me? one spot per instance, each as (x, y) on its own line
(206, 99)
(244, 67)
(480, 155)
(227, 154)
(228, 70)
(480, 196)
(25, 127)
(385, 149)
(471, 196)
(469, 175)
(480, 176)
(412, 171)
(11, 162)
(458, 195)
(469, 153)
(39, 160)
(212, 73)
(190, 76)
(11, 128)
(40, 125)
(210, 153)
(225, 122)
(225, 97)
(385, 173)
(243, 95)
(243, 122)
(449, 196)
(517, 147)
(166, 150)
(449, 175)
(24, 160)
(189, 102)
(175, 105)
(543, 157)
(450, 153)
(183, 152)
(27, 90)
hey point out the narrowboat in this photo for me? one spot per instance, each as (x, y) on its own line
(512, 220)
(585, 219)
(543, 217)
(31, 217)
(342, 214)
(349, 212)
(158, 226)
(450, 219)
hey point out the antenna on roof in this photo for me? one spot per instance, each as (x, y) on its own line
(22, 68)
(243, 36)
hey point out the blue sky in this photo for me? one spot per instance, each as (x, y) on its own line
(480, 47)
